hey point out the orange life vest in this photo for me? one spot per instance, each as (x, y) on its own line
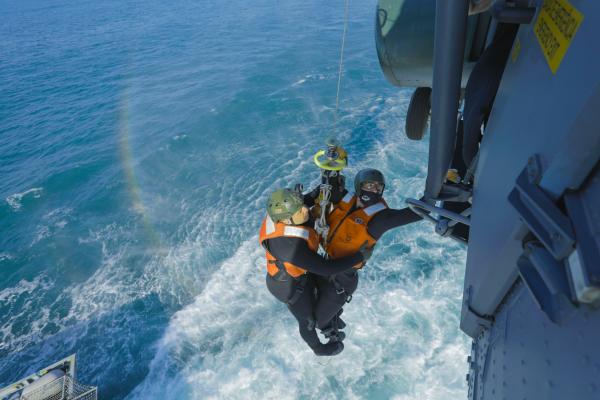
(271, 230)
(348, 229)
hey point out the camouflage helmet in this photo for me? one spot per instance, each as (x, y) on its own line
(284, 203)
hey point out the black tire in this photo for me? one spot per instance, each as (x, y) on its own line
(418, 113)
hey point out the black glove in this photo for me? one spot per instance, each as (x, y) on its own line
(338, 188)
(366, 251)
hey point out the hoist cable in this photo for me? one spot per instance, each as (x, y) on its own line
(341, 64)
(325, 193)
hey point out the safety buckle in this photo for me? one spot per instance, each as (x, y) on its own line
(340, 291)
(349, 299)
(328, 332)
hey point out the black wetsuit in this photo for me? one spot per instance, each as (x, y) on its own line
(333, 292)
(297, 252)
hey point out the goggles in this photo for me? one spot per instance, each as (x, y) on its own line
(375, 187)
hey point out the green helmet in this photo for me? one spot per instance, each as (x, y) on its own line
(367, 175)
(283, 204)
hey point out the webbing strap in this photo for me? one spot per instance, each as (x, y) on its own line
(280, 267)
(300, 281)
(300, 285)
(339, 289)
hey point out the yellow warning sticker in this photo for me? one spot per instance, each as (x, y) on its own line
(555, 27)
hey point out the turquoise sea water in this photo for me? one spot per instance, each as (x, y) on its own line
(138, 143)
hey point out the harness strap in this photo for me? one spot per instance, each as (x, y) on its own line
(333, 332)
(281, 269)
(300, 281)
(300, 285)
(339, 289)
(332, 329)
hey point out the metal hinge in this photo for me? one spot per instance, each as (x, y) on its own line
(559, 264)
(545, 220)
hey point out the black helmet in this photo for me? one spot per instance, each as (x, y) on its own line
(368, 175)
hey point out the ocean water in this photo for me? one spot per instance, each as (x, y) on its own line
(139, 141)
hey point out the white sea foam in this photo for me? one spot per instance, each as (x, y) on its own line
(298, 83)
(6, 256)
(235, 341)
(10, 294)
(19, 301)
(231, 339)
(14, 200)
(52, 222)
(110, 287)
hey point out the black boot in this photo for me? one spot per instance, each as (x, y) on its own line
(329, 349)
(332, 330)
(336, 336)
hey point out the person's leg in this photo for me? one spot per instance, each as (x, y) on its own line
(331, 298)
(302, 309)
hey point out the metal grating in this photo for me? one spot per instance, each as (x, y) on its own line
(63, 388)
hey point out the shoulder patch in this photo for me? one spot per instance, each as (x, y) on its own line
(375, 208)
(296, 232)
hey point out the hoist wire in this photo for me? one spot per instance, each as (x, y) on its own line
(341, 64)
(321, 223)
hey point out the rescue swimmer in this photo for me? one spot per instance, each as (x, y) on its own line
(291, 245)
(356, 222)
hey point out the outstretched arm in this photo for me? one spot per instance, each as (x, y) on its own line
(296, 251)
(390, 218)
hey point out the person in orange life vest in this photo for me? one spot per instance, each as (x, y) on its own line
(356, 222)
(291, 247)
